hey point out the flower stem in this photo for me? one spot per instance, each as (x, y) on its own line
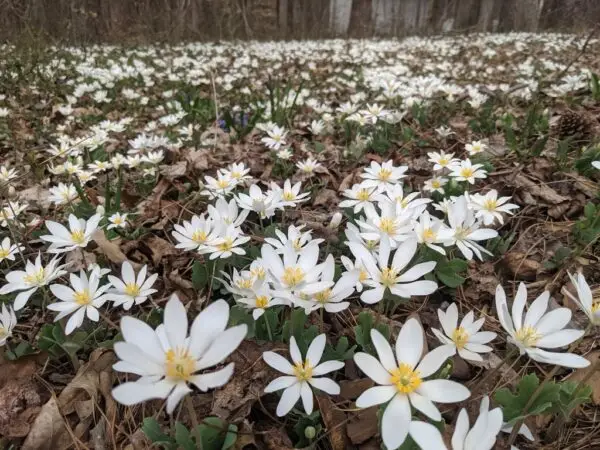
(269, 332)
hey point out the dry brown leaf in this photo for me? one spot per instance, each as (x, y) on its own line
(150, 207)
(111, 249)
(326, 197)
(78, 259)
(363, 425)
(159, 248)
(48, 431)
(198, 159)
(35, 194)
(521, 266)
(594, 380)
(334, 420)
(539, 189)
(277, 439)
(346, 182)
(172, 171)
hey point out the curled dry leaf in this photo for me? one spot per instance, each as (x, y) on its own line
(538, 189)
(111, 249)
(172, 171)
(521, 266)
(591, 374)
(335, 422)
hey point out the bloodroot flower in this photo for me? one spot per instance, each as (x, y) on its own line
(299, 377)
(167, 359)
(539, 329)
(401, 379)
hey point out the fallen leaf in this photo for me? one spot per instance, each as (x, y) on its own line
(326, 197)
(159, 248)
(363, 425)
(277, 439)
(594, 380)
(36, 195)
(48, 431)
(351, 389)
(150, 208)
(334, 420)
(172, 171)
(539, 189)
(198, 159)
(521, 266)
(110, 249)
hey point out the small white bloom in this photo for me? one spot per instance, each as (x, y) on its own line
(489, 207)
(475, 147)
(585, 298)
(8, 250)
(442, 160)
(300, 377)
(131, 289)
(117, 220)
(484, 432)
(77, 235)
(465, 171)
(8, 320)
(308, 166)
(63, 194)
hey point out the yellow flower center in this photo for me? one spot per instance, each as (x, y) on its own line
(323, 296)
(528, 336)
(293, 276)
(466, 172)
(297, 245)
(371, 244)
(288, 195)
(36, 278)
(179, 365)
(132, 289)
(3, 332)
(387, 225)
(363, 275)
(384, 174)
(244, 283)
(4, 253)
(460, 337)
(363, 195)
(258, 272)
(461, 233)
(223, 184)
(78, 237)
(236, 175)
(443, 162)
(117, 221)
(82, 298)
(595, 307)
(262, 301)
(199, 236)
(428, 234)
(226, 245)
(388, 276)
(303, 371)
(490, 204)
(436, 184)
(405, 378)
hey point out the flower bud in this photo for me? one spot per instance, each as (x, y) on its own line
(336, 219)
(310, 432)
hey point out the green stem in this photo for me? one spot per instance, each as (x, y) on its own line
(269, 332)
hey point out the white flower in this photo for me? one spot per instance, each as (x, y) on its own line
(117, 220)
(393, 222)
(8, 320)
(219, 187)
(299, 377)
(316, 127)
(77, 235)
(539, 329)
(227, 212)
(465, 171)
(444, 132)
(167, 359)
(7, 174)
(276, 137)
(385, 276)
(442, 159)
(257, 298)
(63, 194)
(475, 147)
(430, 231)
(403, 202)
(228, 243)
(308, 166)
(484, 432)
(290, 195)
(360, 197)
(153, 157)
(585, 299)
(29, 280)
(130, 289)
(195, 234)
(401, 382)
(297, 238)
(596, 164)
(284, 154)
(99, 166)
(237, 172)
(84, 297)
(8, 250)
(374, 112)
(382, 175)
(489, 207)
(465, 230)
(356, 270)
(465, 339)
(10, 212)
(264, 204)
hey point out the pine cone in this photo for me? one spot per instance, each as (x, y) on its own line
(575, 125)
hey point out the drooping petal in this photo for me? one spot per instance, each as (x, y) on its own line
(425, 405)
(375, 396)
(443, 391)
(326, 385)
(180, 391)
(307, 397)
(559, 338)
(288, 399)
(396, 421)
(427, 436)
(460, 430)
(133, 392)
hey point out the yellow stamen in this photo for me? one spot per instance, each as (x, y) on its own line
(323, 296)
(82, 298)
(179, 365)
(293, 276)
(384, 174)
(388, 276)
(363, 195)
(405, 378)
(289, 195)
(387, 225)
(428, 234)
(460, 337)
(35, 278)
(226, 245)
(262, 301)
(303, 371)
(528, 336)
(490, 204)
(78, 237)
(199, 236)
(132, 289)
(4, 253)
(466, 172)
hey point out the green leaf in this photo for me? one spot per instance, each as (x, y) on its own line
(152, 430)
(215, 434)
(447, 272)
(513, 405)
(199, 276)
(230, 437)
(571, 395)
(183, 437)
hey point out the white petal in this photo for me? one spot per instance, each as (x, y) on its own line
(315, 350)
(449, 319)
(433, 360)
(416, 272)
(278, 362)
(395, 421)
(307, 397)
(373, 295)
(537, 309)
(559, 338)
(326, 367)
(425, 405)
(372, 368)
(384, 350)
(404, 254)
(212, 380)
(288, 399)
(223, 345)
(295, 352)
(375, 396)
(280, 383)
(176, 322)
(519, 305)
(427, 436)
(180, 391)
(409, 345)
(211, 321)
(555, 320)
(143, 336)
(133, 392)
(326, 385)
(443, 391)
(460, 430)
